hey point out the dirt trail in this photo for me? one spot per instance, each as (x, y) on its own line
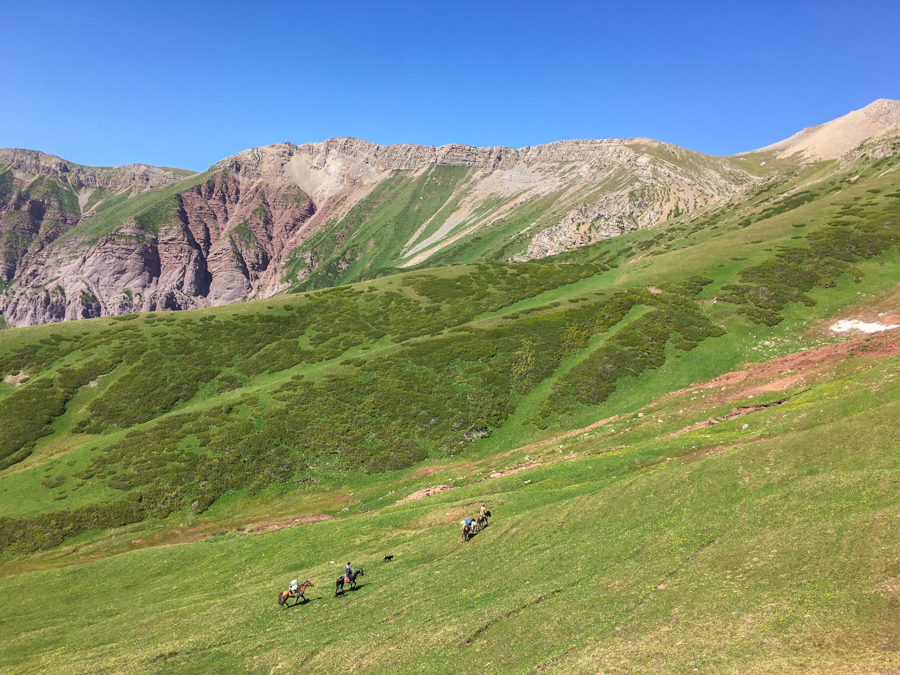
(252, 525)
(800, 365)
(734, 413)
(427, 492)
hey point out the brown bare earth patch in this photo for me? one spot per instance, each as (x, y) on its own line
(886, 343)
(800, 365)
(15, 380)
(426, 492)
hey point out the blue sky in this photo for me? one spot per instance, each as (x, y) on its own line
(188, 83)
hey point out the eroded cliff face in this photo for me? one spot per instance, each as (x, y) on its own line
(604, 187)
(223, 243)
(228, 238)
(42, 197)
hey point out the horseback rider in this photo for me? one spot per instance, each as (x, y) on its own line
(294, 588)
(483, 510)
(347, 571)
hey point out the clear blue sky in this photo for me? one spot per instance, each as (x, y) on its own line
(188, 83)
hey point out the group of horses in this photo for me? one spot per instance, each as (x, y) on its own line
(478, 523)
(297, 593)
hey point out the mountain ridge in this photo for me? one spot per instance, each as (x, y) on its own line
(80, 242)
(834, 138)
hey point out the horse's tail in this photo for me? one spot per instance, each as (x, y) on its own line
(281, 599)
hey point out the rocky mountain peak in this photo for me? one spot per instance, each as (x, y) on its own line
(838, 137)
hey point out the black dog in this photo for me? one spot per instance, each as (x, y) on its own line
(388, 558)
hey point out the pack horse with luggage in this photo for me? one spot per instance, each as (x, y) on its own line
(295, 591)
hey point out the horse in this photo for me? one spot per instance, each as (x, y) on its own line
(339, 584)
(466, 532)
(284, 595)
(481, 522)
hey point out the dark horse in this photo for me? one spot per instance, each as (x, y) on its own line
(351, 578)
(467, 532)
(297, 595)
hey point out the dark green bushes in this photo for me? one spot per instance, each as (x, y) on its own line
(431, 397)
(637, 347)
(764, 290)
(27, 414)
(26, 535)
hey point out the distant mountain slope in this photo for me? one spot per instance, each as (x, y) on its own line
(80, 242)
(328, 213)
(832, 139)
(43, 196)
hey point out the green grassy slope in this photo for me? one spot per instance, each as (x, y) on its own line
(773, 553)
(373, 233)
(284, 431)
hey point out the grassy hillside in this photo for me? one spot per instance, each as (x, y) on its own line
(642, 523)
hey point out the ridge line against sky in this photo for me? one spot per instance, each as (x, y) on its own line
(188, 84)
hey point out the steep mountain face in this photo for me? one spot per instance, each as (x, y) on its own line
(43, 196)
(142, 239)
(81, 242)
(213, 243)
(403, 205)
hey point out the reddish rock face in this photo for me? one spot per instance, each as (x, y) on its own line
(224, 243)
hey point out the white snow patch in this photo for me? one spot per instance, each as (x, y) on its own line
(846, 325)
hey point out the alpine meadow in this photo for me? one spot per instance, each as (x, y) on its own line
(671, 378)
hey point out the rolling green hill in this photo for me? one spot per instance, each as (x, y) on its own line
(689, 470)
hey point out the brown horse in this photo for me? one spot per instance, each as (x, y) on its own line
(480, 522)
(297, 595)
(466, 532)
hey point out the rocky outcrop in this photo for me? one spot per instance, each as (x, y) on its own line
(616, 214)
(225, 242)
(110, 178)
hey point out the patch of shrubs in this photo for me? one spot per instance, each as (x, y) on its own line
(431, 397)
(764, 290)
(639, 346)
(26, 535)
(27, 414)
